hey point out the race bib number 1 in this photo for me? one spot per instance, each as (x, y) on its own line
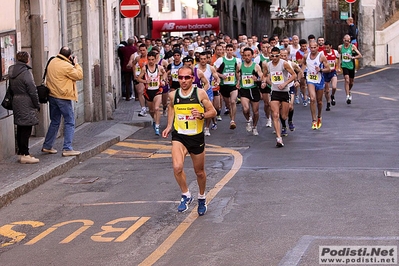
(186, 125)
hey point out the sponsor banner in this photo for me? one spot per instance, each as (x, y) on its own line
(359, 255)
(203, 24)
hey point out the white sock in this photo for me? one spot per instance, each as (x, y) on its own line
(201, 196)
(187, 194)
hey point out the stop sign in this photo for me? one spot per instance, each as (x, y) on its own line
(350, 1)
(130, 8)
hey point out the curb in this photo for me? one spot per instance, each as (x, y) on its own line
(31, 182)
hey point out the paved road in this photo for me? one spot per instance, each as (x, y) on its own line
(268, 206)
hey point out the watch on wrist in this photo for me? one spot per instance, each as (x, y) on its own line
(202, 116)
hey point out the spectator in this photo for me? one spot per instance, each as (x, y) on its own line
(62, 73)
(168, 51)
(25, 105)
(127, 73)
(352, 31)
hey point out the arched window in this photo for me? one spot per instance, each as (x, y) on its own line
(235, 21)
(243, 21)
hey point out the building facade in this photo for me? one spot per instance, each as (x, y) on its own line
(260, 17)
(92, 29)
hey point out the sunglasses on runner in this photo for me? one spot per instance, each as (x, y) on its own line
(185, 77)
(274, 55)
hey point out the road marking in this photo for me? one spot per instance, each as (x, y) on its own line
(128, 202)
(391, 174)
(368, 74)
(373, 72)
(86, 225)
(7, 231)
(389, 99)
(361, 93)
(183, 226)
(109, 229)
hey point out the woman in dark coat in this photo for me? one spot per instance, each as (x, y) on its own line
(25, 104)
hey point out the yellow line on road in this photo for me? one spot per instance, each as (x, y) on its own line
(128, 202)
(361, 93)
(179, 231)
(389, 99)
(370, 73)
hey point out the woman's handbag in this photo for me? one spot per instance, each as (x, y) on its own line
(42, 90)
(7, 101)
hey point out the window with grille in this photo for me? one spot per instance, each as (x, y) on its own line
(166, 5)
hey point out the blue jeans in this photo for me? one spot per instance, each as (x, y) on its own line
(58, 108)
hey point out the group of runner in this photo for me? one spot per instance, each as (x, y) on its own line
(246, 71)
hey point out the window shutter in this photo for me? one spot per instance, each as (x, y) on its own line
(172, 5)
(160, 4)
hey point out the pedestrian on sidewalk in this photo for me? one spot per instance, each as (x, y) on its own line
(25, 105)
(188, 108)
(62, 73)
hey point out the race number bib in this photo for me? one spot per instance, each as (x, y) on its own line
(153, 84)
(247, 81)
(277, 77)
(186, 125)
(331, 63)
(230, 79)
(346, 57)
(313, 77)
(174, 75)
(138, 69)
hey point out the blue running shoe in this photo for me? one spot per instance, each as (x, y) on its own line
(291, 126)
(202, 207)
(284, 132)
(214, 126)
(157, 131)
(184, 203)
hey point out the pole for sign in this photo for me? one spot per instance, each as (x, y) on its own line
(350, 10)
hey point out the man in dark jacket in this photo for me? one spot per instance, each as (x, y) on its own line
(25, 105)
(352, 31)
(127, 72)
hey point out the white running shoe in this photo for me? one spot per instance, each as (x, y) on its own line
(206, 131)
(143, 112)
(255, 132)
(249, 127)
(279, 143)
(269, 122)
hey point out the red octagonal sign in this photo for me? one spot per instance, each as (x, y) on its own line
(350, 1)
(130, 8)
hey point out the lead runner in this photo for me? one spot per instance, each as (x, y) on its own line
(188, 108)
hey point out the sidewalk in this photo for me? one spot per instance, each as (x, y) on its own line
(90, 138)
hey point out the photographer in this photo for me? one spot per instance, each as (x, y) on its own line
(62, 73)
